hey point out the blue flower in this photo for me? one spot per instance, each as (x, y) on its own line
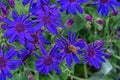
(48, 62)
(70, 48)
(48, 17)
(19, 28)
(25, 2)
(94, 54)
(104, 5)
(7, 63)
(42, 2)
(25, 54)
(38, 40)
(71, 6)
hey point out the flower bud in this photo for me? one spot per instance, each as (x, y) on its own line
(117, 32)
(1, 18)
(70, 22)
(100, 21)
(30, 77)
(5, 11)
(115, 13)
(88, 18)
(11, 3)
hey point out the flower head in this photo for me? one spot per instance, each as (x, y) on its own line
(25, 54)
(95, 53)
(70, 48)
(38, 40)
(71, 5)
(45, 18)
(7, 63)
(19, 28)
(104, 5)
(48, 61)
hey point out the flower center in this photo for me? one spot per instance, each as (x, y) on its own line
(34, 36)
(71, 1)
(46, 19)
(3, 62)
(20, 27)
(70, 49)
(91, 52)
(104, 1)
(48, 61)
(118, 0)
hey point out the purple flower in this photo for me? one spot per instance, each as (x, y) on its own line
(7, 63)
(48, 62)
(100, 21)
(4, 9)
(71, 6)
(70, 48)
(115, 13)
(25, 54)
(94, 54)
(11, 3)
(103, 6)
(38, 40)
(1, 18)
(88, 18)
(19, 28)
(42, 2)
(49, 21)
(70, 22)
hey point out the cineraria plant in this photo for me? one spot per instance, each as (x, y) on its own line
(59, 40)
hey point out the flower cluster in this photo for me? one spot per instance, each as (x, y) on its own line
(43, 17)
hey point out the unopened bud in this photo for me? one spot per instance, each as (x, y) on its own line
(88, 18)
(11, 3)
(70, 22)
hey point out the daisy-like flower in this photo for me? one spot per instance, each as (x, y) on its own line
(71, 6)
(49, 21)
(48, 62)
(25, 54)
(70, 48)
(95, 53)
(7, 63)
(104, 5)
(19, 28)
(38, 40)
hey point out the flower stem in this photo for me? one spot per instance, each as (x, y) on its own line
(85, 71)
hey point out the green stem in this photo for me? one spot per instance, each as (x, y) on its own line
(77, 78)
(117, 57)
(85, 71)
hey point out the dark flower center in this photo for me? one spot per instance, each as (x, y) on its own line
(3, 62)
(36, 40)
(70, 49)
(104, 1)
(20, 27)
(71, 1)
(46, 19)
(91, 53)
(118, 0)
(48, 61)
